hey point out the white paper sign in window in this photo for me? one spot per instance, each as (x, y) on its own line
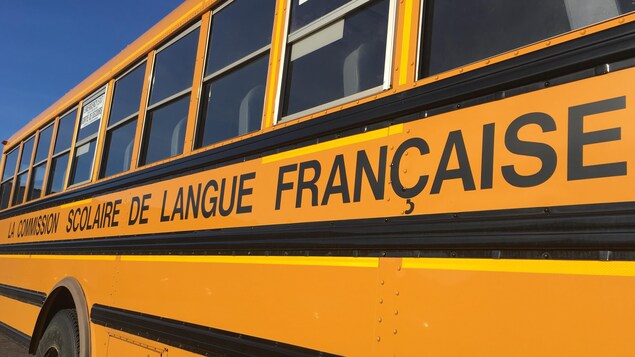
(93, 111)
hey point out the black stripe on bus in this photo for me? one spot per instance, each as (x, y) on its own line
(19, 337)
(568, 232)
(191, 337)
(586, 56)
(28, 296)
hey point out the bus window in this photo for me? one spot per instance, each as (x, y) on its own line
(354, 42)
(23, 170)
(122, 123)
(236, 71)
(89, 123)
(59, 163)
(459, 32)
(11, 160)
(39, 165)
(166, 119)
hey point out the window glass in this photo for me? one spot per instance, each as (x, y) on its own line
(304, 12)
(127, 96)
(355, 47)
(10, 163)
(232, 104)
(459, 32)
(37, 182)
(27, 151)
(83, 163)
(174, 67)
(5, 194)
(165, 131)
(44, 144)
(92, 111)
(58, 174)
(20, 189)
(238, 30)
(65, 132)
(626, 6)
(118, 149)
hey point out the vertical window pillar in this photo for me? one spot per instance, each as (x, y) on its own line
(101, 133)
(199, 67)
(143, 105)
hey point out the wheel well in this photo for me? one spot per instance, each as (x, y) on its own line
(67, 294)
(59, 299)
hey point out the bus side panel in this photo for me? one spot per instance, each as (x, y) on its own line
(315, 303)
(18, 315)
(459, 311)
(41, 273)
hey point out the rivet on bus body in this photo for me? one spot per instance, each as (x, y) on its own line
(388, 199)
(460, 70)
(394, 332)
(487, 62)
(407, 132)
(405, 171)
(548, 43)
(396, 312)
(396, 69)
(399, 268)
(378, 338)
(382, 282)
(436, 77)
(397, 293)
(516, 53)
(583, 32)
(379, 320)
(621, 21)
(381, 301)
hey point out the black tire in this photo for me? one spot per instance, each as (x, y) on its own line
(61, 338)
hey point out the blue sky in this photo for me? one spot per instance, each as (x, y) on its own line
(48, 47)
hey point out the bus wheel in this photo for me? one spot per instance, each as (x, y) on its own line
(61, 338)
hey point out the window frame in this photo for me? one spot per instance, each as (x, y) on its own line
(69, 151)
(44, 161)
(103, 90)
(315, 27)
(243, 61)
(424, 8)
(121, 122)
(172, 98)
(15, 172)
(26, 171)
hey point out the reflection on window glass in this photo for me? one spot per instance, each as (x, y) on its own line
(83, 163)
(18, 197)
(232, 104)
(459, 32)
(251, 21)
(355, 47)
(165, 131)
(10, 163)
(127, 96)
(58, 174)
(5, 194)
(44, 144)
(118, 149)
(304, 12)
(174, 67)
(65, 132)
(37, 182)
(27, 151)
(92, 111)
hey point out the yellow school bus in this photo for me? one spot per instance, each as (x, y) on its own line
(346, 177)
